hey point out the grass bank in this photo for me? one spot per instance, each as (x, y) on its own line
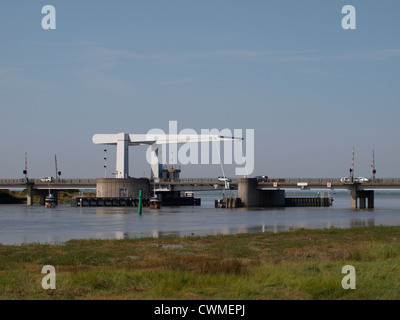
(302, 264)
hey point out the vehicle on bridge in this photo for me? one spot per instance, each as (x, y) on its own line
(361, 179)
(262, 178)
(224, 179)
(47, 179)
(344, 179)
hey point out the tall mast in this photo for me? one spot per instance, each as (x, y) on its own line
(25, 172)
(373, 171)
(352, 168)
(26, 163)
(55, 159)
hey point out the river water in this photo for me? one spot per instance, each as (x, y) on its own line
(21, 224)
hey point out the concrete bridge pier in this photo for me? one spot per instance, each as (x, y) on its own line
(362, 202)
(371, 200)
(247, 191)
(360, 197)
(251, 197)
(120, 188)
(366, 195)
(29, 193)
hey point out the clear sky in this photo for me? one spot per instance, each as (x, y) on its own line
(287, 69)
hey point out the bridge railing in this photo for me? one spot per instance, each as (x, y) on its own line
(192, 180)
(309, 180)
(11, 181)
(68, 181)
(326, 180)
(195, 180)
(387, 180)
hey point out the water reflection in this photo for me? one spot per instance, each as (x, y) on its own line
(275, 228)
(110, 210)
(362, 222)
(22, 224)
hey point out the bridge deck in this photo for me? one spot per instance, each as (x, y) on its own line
(186, 184)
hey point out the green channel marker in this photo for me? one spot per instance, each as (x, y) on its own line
(140, 202)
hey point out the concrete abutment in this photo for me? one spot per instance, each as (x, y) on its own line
(119, 187)
(251, 197)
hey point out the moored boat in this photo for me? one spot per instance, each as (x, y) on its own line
(155, 203)
(50, 201)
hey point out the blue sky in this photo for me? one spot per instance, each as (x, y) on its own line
(287, 69)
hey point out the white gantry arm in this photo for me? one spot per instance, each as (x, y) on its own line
(124, 140)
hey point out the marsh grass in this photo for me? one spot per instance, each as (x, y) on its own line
(302, 264)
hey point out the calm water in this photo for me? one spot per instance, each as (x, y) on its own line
(21, 224)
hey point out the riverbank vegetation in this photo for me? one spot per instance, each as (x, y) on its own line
(7, 197)
(64, 196)
(301, 264)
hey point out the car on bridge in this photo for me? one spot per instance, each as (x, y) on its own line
(224, 179)
(344, 179)
(262, 178)
(361, 179)
(47, 179)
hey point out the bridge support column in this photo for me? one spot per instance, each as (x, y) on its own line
(247, 191)
(365, 195)
(362, 201)
(371, 199)
(29, 194)
(251, 197)
(353, 197)
(361, 196)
